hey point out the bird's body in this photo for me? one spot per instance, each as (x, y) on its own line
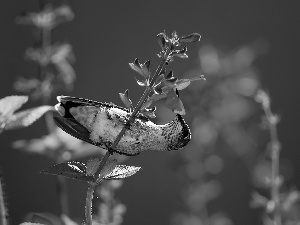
(100, 123)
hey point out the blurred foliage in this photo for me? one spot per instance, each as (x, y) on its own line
(221, 117)
(53, 60)
(224, 117)
(55, 74)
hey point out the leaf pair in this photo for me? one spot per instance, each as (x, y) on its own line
(80, 171)
(126, 100)
(143, 70)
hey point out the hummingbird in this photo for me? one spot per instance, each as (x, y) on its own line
(100, 123)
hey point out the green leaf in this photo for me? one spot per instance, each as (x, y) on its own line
(179, 108)
(162, 40)
(174, 103)
(156, 97)
(171, 80)
(126, 100)
(142, 83)
(167, 89)
(159, 79)
(9, 104)
(142, 69)
(26, 117)
(121, 172)
(74, 170)
(169, 75)
(181, 53)
(190, 38)
(146, 104)
(92, 166)
(183, 83)
(136, 66)
(146, 69)
(107, 169)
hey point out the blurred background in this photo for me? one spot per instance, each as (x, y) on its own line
(245, 46)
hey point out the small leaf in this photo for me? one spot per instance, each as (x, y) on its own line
(169, 75)
(9, 104)
(107, 169)
(92, 166)
(181, 53)
(174, 103)
(122, 171)
(174, 35)
(161, 38)
(168, 83)
(167, 89)
(135, 65)
(190, 38)
(141, 69)
(27, 117)
(183, 83)
(126, 100)
(172, 79)
(159, 79)
(156, 97)
(163, 71)
(73, 170)
(142, 83)
(146, 104)
(146, 69)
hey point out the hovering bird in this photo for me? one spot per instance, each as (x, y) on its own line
(100, 123)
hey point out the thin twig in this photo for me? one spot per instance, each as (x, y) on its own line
(2, 207)
(89, 204)
(274, 143)
(275, 153)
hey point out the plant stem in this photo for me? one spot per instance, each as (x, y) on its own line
(135, 112)
(89, 204)
(120, 135)
(62, 195)
(275, 153)
(2, 207)
(60, 181)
